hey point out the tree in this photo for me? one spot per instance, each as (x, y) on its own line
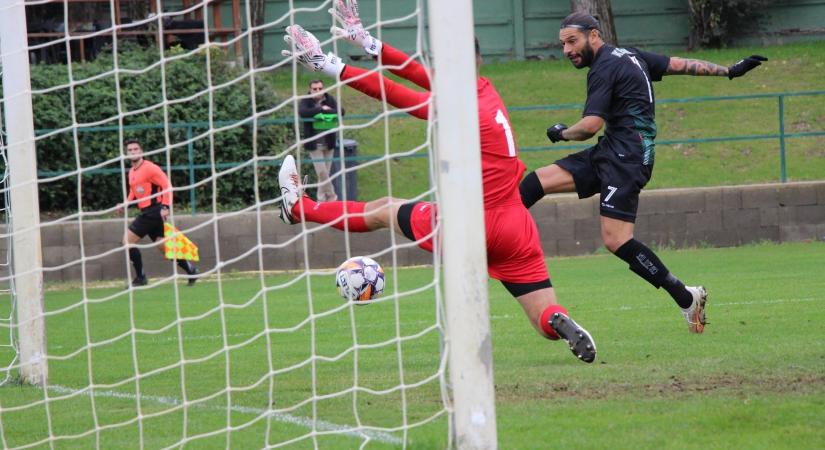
(257, 11)
(601, 10)
(714, 23)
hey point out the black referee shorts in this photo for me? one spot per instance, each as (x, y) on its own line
(148, 222)
(617, 180)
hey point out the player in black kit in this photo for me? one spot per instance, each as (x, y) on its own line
(620, 98)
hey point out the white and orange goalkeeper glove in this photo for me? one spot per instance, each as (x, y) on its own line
(346, 13)
(307, 50)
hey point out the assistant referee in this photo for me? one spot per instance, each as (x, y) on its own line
(151, 190)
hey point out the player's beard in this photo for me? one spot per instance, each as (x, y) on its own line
(585, 56)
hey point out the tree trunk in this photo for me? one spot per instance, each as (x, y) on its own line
(601, 10)
(257, 11)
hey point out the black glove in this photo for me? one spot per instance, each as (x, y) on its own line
(554, 132)
(743, 66)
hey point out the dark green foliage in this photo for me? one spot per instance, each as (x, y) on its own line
(143, 94)
(714, 23)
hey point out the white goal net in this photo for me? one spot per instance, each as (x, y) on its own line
(258, 350)
(8, 346)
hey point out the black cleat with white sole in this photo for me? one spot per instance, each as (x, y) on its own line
(138, 281)
(193, 275)
(581, 344)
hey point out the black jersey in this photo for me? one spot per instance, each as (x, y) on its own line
(620, 91)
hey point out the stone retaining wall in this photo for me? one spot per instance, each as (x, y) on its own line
(718, 216)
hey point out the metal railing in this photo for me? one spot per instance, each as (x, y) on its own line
(780, 135)
(191, 167)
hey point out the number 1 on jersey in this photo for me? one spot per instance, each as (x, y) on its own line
(511, 144)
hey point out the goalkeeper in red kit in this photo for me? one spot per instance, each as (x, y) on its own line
(151, 190)
(514, 253)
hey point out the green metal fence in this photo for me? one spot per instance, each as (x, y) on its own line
(780, 135)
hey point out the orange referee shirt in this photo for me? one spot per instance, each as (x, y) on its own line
(146, 181)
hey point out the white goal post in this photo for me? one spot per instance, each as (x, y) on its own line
(462, 214)
(24, 212)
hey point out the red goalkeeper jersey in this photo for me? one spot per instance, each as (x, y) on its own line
(500, 167)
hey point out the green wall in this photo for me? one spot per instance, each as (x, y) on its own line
(528, 28)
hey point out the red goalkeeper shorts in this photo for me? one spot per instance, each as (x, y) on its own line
(514, 251)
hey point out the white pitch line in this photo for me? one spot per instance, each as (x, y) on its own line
(710, 303)
(305, 422)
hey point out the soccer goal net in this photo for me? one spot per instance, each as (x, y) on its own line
(256, 349)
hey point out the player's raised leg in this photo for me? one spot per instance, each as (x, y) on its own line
(290, 190)
(695, 313)
(618, 238)
(517, 259)
(553, 321)
(545, 180)
(357, 217)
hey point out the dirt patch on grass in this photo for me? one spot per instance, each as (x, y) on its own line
(801, 126)
(729, 384)
(686, 150)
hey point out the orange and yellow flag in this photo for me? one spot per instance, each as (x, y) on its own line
(177, 245)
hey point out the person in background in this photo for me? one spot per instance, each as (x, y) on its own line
(323, 109)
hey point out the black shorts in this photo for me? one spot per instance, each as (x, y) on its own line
(405, 219)
(148, 222)
(618, 180)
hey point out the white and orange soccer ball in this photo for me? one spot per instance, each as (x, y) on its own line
(359, 279)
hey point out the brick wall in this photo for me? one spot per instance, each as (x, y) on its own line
(718, 216)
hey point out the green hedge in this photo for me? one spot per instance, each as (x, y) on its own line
(140, 87)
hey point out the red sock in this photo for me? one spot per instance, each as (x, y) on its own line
(333, 212)
(545, 320)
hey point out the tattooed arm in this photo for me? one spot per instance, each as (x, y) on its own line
(683, 66)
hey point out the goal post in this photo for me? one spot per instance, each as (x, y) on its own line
(458, 166)
(24, 211)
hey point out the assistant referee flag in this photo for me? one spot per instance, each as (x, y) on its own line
(177, 245)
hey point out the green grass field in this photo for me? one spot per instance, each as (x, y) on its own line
(792, 68)
(754, 379)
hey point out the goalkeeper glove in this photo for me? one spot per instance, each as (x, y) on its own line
(743, 66)
(346, 12)
(307, 50)
(554, 132)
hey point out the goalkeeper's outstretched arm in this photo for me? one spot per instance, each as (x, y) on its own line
(345, 12)
(369, 82)
(307, 51)
(405, 66)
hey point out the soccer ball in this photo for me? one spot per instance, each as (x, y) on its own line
(359, 279)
